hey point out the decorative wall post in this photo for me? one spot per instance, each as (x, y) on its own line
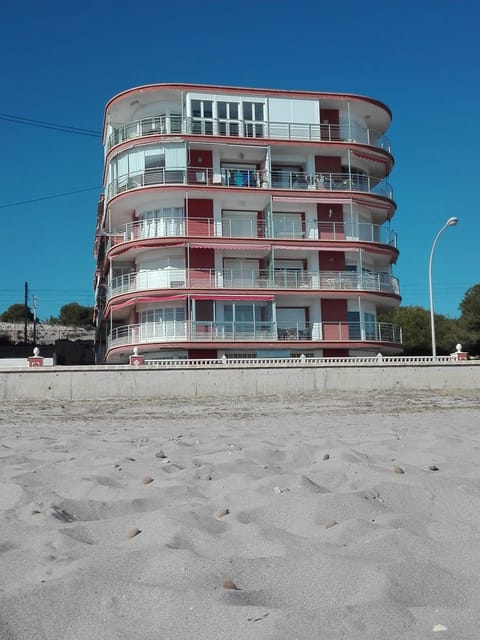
(36, 360)
(135, 359)
(459, 354)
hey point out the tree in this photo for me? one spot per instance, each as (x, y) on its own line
(470, 319)
(74, 314)
(470, 308)
(16, 313)
(416, 330)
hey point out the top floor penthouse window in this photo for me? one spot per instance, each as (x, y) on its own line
(227, 117)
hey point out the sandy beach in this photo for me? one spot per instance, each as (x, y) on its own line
(297, 518)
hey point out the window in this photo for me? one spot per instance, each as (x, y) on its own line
(165, 323)
(240, 223)
(154, 167)
(359, 178)
(240, 272)
(163, 314)
(288, 225)
(165, 261)
(240, 175)
(291, 323)
(253, 114)
(227, 113)
(166, 271)
(202, 117)
(292, 274)
(287, 177)
(167, 221)
(224, 117)
(244, 318)
(164, 212)
(370, 326)
(354, 325)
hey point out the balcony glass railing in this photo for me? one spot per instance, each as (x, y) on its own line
(250, 179)
(232, 330)
(177, 278)
(208, 331)
(250, 227)
(175, 125)
(343, 181)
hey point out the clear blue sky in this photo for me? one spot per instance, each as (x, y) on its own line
(61, 61)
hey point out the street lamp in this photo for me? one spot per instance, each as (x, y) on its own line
(451, 222)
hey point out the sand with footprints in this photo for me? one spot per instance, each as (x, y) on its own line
(330, 517)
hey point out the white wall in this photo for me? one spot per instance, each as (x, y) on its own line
(102, 383)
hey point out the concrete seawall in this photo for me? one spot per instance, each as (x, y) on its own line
(91, 382)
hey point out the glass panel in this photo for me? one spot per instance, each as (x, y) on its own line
(370, 326)
(207, 109)
(354, 325)
(238, 272)
(253, 111)
(196, 109)
(208, 127)
(244, 313)
(227, 111)
(202, 109)
(240, 224)
(155, 162)
(284, 177)
(287, 225)
(163, 314)
(258, 106)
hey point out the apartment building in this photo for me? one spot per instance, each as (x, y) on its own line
(246, 223)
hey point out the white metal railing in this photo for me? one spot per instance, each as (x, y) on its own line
(303, 361)
(254, 331)
(247, 227)
(175, 124)
(178, 278)
(249, 179)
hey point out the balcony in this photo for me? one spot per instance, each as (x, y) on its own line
(250, 179)
(206, 331)
(211, 127)
(248, 227)
(279, 279)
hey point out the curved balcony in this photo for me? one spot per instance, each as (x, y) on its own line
(205, 331)
(250, 179)
(176, 125)
(167, 227)
(240, 279)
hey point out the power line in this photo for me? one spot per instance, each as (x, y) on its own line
(57, 195)
(50, 125)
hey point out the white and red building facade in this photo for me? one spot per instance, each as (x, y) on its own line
(245, 223)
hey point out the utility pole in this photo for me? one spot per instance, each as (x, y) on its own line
(26, 314)
(34, 321)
